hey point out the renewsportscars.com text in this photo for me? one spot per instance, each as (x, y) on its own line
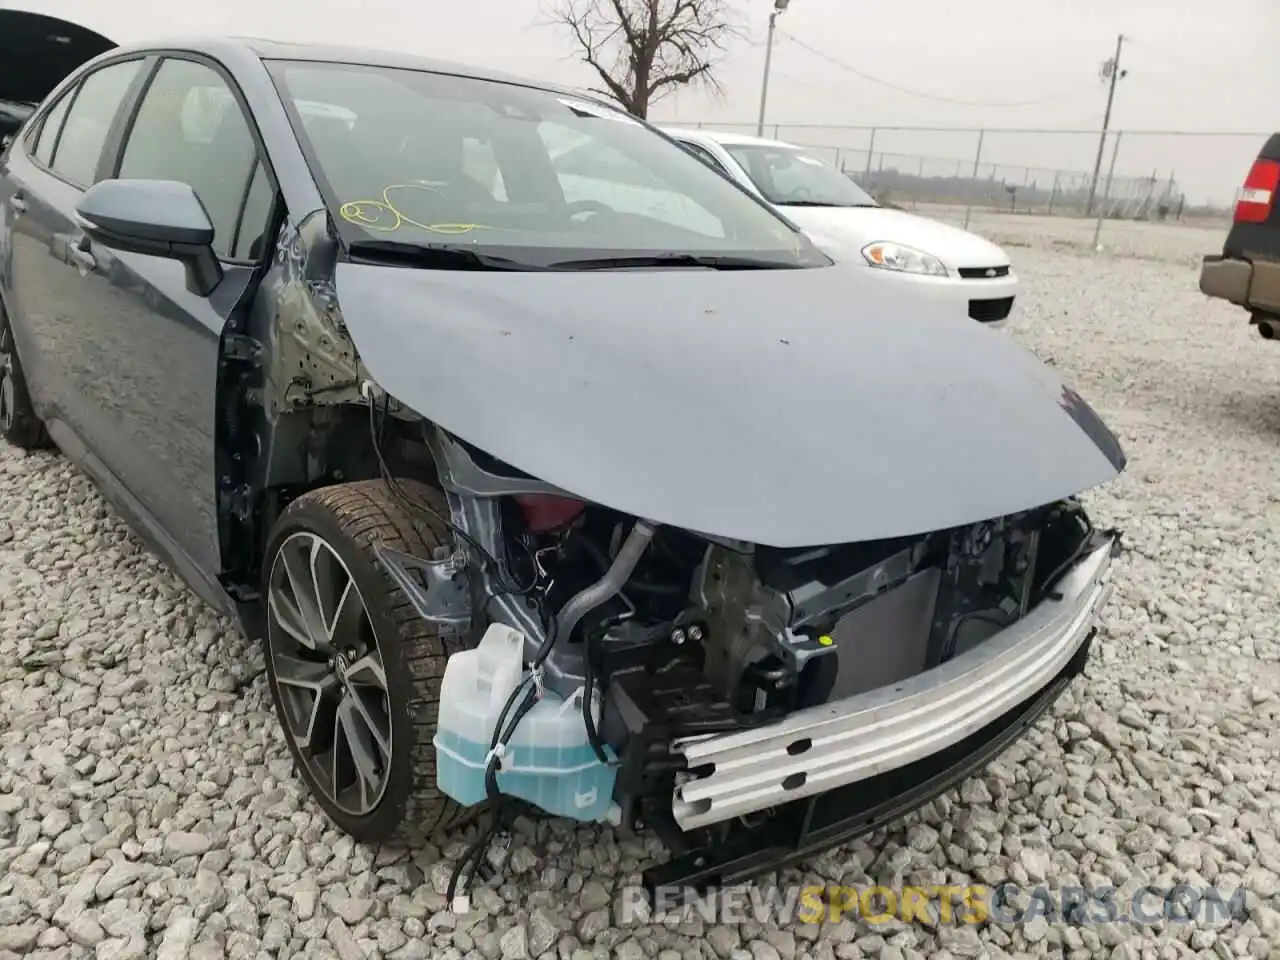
(1006, 903)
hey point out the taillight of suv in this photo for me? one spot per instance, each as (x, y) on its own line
(1259, 194)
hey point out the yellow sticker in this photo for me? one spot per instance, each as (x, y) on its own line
(825, 640)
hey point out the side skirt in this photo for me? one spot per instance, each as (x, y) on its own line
(140, 521)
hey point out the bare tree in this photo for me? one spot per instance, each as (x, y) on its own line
(645, 49)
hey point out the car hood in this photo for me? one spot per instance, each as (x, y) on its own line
(37, 52)
(782, 407)
(844, 231)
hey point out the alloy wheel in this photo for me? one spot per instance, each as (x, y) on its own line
(328, 673)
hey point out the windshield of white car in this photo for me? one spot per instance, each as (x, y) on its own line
(520, 174)
(787, 176)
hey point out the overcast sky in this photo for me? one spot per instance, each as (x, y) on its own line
(1193, 66)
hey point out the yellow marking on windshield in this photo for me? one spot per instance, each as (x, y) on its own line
(372, 214)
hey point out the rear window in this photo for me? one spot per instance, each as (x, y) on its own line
(50, 127)
(88, 121)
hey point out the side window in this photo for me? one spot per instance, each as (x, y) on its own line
(78, 149)
(50, 126)
(251, 236)
(190, 128)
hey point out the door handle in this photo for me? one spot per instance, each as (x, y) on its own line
(19, 205)
(79, 253)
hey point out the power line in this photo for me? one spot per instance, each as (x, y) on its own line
(1201, 69)
(920, 93)
(935, 128)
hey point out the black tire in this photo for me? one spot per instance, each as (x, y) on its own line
(350, 518)
(18, 421)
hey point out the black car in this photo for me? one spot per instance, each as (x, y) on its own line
(1247, 273)
(37, 51)
(604, 491)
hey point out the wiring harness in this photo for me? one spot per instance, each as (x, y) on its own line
(530, 686)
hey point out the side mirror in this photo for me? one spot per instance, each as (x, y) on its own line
(159, 218)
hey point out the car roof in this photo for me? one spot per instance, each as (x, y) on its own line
(266, 49)
(727, 138)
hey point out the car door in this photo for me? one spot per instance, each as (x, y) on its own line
(48, 172)
(150, 407)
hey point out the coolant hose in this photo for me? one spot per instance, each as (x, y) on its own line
(624, 564)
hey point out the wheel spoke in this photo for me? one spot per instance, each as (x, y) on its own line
(359, 739)
(288, 616)
(368, 672)
(305, 597)
(309, 688)
(348, 615)
(304, 674)
(377, 735)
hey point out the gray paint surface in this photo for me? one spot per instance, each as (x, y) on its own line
(781, 407)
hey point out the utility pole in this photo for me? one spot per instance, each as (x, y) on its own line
(778, 7)
(1110, 69)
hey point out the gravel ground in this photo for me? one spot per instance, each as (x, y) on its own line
(147, 808)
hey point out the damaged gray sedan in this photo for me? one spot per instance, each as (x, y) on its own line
(642, 513)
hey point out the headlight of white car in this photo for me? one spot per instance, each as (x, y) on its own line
(895, 256)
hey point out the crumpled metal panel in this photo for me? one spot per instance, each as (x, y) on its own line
(781, 407)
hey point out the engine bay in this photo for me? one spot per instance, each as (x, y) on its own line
(659, 634)
(707, 637)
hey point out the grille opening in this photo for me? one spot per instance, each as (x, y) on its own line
(984, 273)
(990, 311)
(795, 781)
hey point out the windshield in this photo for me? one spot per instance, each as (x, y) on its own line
(522, 174)
(787, 175)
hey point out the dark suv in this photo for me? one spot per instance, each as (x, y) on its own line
(1248, 271)
(36, 52)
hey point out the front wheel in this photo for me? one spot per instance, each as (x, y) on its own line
(354, 671)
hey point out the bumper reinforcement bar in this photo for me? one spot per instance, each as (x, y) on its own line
(822, 748)
(806, 828)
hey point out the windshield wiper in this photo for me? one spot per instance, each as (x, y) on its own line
(443, 256)
(821, 203)
(706, 261)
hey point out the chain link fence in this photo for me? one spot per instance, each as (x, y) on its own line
(1165, 176)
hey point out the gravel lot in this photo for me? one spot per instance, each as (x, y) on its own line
(147, 807)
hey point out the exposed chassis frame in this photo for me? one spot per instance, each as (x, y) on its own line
(829, 746)
(806, 828)
(862, 762)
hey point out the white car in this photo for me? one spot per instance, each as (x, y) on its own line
(850, 226)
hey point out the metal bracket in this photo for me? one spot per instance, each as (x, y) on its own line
(241, 348)
(799, 649)
(445, 600)
(238, 501)
(460, 474)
